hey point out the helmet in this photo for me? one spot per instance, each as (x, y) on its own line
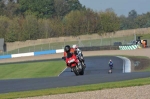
(74, 46)
(67, 48)
(110, 60)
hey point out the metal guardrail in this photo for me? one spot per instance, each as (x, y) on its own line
(93, 48)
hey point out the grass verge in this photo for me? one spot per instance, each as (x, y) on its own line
(31, 69)
(120, 84)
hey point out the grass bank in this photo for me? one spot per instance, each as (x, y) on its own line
(140, 63)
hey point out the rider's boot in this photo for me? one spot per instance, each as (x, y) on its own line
(84, 65)
(71, 69)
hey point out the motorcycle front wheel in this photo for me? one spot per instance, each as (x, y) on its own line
(75, 70)
(82, 72)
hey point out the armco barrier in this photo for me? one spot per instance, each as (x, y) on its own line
(94, 48)
(5, 56)
(59, 50)
(31, 54)
(132, 47)
(44, 52)
(22, 55)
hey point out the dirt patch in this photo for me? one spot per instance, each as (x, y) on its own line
(139, 63)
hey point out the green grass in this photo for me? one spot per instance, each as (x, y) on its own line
(31, 70)
(147, 69)
(73, 89)
(145, 36)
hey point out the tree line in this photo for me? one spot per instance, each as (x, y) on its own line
(22, 20)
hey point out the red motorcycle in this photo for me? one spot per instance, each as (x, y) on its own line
(73, 62)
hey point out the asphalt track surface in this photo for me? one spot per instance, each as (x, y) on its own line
(96, 72)
(98, 65)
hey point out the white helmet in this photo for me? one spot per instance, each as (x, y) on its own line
(74, 46)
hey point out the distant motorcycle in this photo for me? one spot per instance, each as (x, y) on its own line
(73, 62)
(111, 67)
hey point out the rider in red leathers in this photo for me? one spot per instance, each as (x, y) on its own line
(68, 51)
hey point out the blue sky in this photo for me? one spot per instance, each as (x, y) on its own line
(121, 7)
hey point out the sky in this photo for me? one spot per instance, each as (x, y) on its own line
(120, 7)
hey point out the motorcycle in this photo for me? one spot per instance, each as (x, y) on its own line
(73, 62)
(111, 67)
(81, 59)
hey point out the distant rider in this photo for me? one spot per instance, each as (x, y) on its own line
(110, 63)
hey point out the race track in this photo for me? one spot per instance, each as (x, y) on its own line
(96, 72)
(98, 65)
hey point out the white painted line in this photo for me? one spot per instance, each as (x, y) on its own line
(126, 64)
(62, 71)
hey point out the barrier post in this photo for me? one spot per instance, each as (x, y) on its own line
(49, 45)
(29, 47)
(18, 47)
(64, 42)
(34, 46)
